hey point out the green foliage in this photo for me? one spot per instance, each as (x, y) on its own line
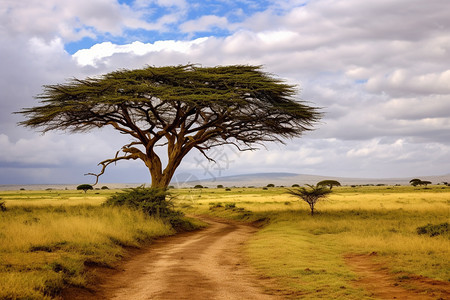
(329, 183)
(230, 205)
(416, 182)
(198, 186)
(311, 195)
(219, 186)
(85, 187)
(105, 187)
(270, 185)
(238, 105)
(152, 201)
(434, 230)
(295, 185)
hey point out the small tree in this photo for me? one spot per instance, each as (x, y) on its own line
(311, 195)
(329, 183)
(85, 187)
(415, 182)
(219, 186)
(425, 182)
(271, 185)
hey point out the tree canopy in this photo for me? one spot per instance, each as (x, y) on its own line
(311, 195)
(180, 107)
(329, 183)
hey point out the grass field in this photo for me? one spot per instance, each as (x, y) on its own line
(47, 238)
(306, 255)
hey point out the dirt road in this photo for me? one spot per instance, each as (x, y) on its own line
(203, 265)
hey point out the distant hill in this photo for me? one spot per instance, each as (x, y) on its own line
(288, 179)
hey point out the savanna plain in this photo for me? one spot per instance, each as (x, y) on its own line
(54, 239)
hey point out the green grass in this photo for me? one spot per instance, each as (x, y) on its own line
(305, 255)
(47, 240)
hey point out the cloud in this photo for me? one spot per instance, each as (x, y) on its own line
(377, 69)
(102, 52)
(204, 23)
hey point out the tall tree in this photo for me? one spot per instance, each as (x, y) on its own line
(181, 107)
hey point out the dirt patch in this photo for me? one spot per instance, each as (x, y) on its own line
(376, 279)
(206, 264)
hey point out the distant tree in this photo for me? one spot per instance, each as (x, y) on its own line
(295, 185)
(105, 187)
(329, 183)
(271, 185)
(85, 187)
(198, 186)
(415, 182)
(179, 107)
(425, 182)
(311, 195)
(219, 186)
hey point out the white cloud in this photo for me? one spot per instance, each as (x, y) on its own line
(378, 69)
(204, 23)
(99, 52)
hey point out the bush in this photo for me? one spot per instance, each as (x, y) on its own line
(227, 189)
(433, 230)
(295, 185)
(230, 205)
(219, 186)
(214, 205)
(2, 205)
(198, 186)
(271, 185)
(105, 187)
(151, 201)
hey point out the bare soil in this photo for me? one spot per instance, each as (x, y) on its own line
(205, 264)
(209, 264)
(381, 284)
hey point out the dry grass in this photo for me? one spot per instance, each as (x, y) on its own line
(306, 254)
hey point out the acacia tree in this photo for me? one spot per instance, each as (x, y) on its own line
(180, 107)
(329, 183)
(311, 195)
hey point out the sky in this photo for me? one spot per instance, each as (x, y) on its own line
(380, 71)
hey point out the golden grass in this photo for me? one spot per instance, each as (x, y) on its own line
(306, 254)
(44, 248)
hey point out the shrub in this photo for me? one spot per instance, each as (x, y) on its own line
(433, 230)
(264, 188)
(271, 185)
(230, 205)
(105, 187)
(219, 186)
(152, 201)
(198, 186)
(214, 205)
(295, 185)
(2, 205)
(227, 189)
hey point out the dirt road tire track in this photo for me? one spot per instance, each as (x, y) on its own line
(207, 264)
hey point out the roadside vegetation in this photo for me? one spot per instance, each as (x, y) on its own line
(49, 240)
(403, 228)
(53, 239)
